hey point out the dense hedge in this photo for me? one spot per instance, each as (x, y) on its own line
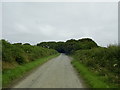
(102, 61)
(23, 53)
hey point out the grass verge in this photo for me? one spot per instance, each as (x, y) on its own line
(10, 75)
(90, 78)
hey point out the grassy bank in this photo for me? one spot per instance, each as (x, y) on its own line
(90, 78)
(99, 66)
(11, 74)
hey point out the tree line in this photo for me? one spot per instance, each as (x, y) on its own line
(70, 46)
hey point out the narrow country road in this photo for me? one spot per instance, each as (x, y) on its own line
(56, 73)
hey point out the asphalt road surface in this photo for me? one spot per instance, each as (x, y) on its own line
(56, 73)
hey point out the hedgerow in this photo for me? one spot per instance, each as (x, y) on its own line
(104, 62)
(23, 53)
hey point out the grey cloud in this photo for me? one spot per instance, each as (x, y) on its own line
(37, 22)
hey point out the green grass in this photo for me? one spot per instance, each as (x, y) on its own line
(90, 78)
(10, 75)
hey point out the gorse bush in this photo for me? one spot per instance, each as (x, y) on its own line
(102, 61)
(22, 54)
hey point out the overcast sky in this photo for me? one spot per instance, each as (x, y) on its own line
(37, 22)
